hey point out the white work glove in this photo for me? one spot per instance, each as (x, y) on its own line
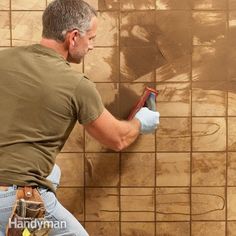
(148, 119)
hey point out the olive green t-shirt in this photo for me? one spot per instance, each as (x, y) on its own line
(41, 98)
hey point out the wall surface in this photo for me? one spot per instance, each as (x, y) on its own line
(180, 181)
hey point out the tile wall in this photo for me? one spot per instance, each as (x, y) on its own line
(180, 181)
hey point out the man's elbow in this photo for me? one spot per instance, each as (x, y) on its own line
(119, 146)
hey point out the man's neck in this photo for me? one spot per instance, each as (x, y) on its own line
(56, 46)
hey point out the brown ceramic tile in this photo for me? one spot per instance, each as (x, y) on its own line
(4, 29)
(232, 27)
(73, 200)
(137, 169)
(109, 94)
(172, 204)
(173, 134)
(108, 4)
(231, 164)
(232, 4)
(173, 35)
(4, 5)
(138, 29)
(3, 48)
(173, 5)
(49, 1)
(232, 99)
(214, 23)
(26, 27)
(28, 4)
(107, 33)
(231, 133)
(231, 228)
(72, 168)
(130, 94)
(138, 64)
(209, 134)
(101, 65)
(137, 4)
(144, 143)
(131, 229)
(175, 70)
(231, 104)
(208, 203)
(102, 204)
(208, 169)
(105, 5)
(102, 169)
(75, 142)
(208, 228)
(139, 51)
(173, 228)
(93, 3)
(137, 204)
(92, 145)
(231, 201)
(231, 60)
(209, 4)
(208, 100)
(173, 169)
(102, 228)
(209, 64)
(173, 42)
(174, 99)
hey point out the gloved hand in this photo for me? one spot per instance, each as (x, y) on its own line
(148, 119)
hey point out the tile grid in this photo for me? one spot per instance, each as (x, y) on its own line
(156, 149)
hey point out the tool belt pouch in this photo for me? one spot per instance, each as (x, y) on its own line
(28, 216)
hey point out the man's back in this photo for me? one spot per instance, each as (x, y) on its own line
(37, 112)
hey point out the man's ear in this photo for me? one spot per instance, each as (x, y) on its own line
(70, 39)
(73, 36)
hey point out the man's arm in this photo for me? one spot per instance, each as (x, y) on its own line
(116, 134)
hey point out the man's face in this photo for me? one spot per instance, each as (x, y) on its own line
(81, 44)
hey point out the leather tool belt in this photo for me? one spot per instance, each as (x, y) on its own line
(28, 215)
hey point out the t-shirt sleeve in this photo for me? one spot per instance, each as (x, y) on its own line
(89, 102)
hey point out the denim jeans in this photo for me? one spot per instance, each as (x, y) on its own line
(55, 212)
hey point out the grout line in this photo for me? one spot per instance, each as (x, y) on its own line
(145, 221)
(191, 121)
(10, 25)
(84, 187)
(152, 152)
(226, 120)
(155, 170)
(147, 187)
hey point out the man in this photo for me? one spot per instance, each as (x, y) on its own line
(41, 98)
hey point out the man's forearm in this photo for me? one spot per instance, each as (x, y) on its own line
(116, 134)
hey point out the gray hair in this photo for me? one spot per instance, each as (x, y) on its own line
(62, 16)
